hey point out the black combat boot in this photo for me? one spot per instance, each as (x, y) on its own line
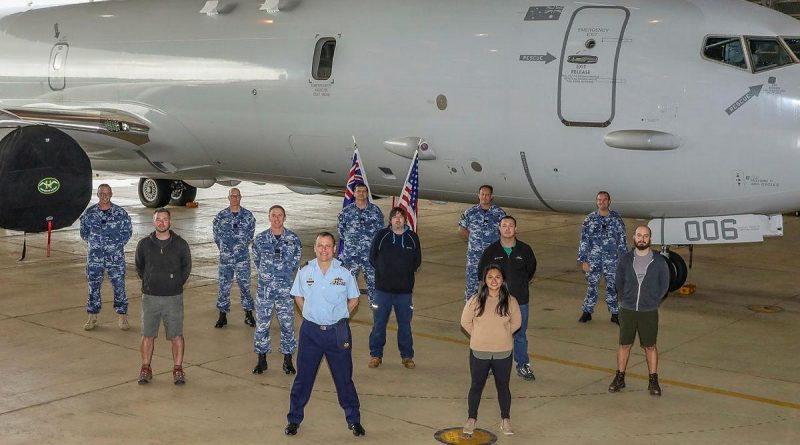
(653, 386)
(261, 366)
(618, 382)
(248, 319)
(288, 368)
(222, 320)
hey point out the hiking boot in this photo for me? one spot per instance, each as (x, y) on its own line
(652, 386)
(261, 366)
(288, 368)
(123, 322)
(374, 362)
(145, 375)
(90, 323)
(505, 427)
(525, 372)
(222, 320)
(248, 319)
(178, 375)
(469, 427)
(615, 319)
(585, 317)
(618, 382)
(409, 363)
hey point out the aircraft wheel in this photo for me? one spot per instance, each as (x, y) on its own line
(154, 193)
(182, 193)
(677, 271)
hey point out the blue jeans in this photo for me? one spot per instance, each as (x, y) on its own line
(403, 310)
(521, 340)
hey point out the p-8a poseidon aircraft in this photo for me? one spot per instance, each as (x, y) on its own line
(687, 111)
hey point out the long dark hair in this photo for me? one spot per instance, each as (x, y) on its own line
(483, 292)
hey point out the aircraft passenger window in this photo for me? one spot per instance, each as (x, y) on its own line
(794, 44)
(725, 49)
(767, 53)
(323, 58)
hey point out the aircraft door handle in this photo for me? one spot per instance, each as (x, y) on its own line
(582, 59)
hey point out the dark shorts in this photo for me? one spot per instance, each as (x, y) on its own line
(169, 309)
(645, 323)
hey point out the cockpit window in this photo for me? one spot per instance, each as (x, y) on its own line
(767, 53)
(794, 44)
(725, 49)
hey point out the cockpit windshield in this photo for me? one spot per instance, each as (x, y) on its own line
(752, 53)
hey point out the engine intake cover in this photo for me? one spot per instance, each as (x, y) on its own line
(44, 174)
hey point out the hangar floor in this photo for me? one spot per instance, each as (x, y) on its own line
(729, 374)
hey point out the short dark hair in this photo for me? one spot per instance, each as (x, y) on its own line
(163, 210)
(509, 217)
(398, 210)
(649, 231)
(486, 186)
(325, 234)
(603, 192)
(276, 206)
(360, 184)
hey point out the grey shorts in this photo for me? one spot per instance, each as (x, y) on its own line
(169, 309)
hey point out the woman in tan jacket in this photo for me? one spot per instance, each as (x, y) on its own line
(491, 317)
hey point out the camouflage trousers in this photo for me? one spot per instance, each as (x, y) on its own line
(607, 270)
(472, 279)
(354, 264)
(279, 300)
(226, 273)
(116, 273)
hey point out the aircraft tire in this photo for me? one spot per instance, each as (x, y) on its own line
(182, 194)
(154, 193)
(677, 271)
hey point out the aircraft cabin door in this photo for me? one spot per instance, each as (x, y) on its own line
(588, 73)
(58, 63)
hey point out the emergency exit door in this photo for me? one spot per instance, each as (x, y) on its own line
(587, 82)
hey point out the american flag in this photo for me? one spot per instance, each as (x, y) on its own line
(355, 176)
(409, 198)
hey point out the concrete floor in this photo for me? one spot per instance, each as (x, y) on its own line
(729, 374)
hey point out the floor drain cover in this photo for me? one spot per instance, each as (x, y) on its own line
(765, 309)
(454, 436)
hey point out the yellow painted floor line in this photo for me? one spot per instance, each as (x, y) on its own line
(574, 364)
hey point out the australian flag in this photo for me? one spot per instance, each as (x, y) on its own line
(409, 198)
(356, 176)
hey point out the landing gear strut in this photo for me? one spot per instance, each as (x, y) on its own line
(154, 193)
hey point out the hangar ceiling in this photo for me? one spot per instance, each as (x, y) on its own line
(790, 7)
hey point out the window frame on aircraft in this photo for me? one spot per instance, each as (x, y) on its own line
(317, 65)
(792, 52)
(752, 55)
(722, 38)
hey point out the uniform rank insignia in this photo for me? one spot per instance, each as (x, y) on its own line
(310, 281)
(338, 281)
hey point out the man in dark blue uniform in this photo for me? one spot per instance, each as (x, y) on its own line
(326, 294)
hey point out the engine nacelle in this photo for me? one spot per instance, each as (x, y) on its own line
(44, 174)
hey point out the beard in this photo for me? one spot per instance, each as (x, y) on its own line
(162, 231)
(643, 245)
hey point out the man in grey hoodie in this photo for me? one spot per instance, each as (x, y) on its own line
(642, 281)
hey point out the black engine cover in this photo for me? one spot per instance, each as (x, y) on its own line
(43, 173)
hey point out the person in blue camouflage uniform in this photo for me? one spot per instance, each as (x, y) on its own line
(602, 244)
(234, 228)
(277, 254)
(107, 228)
(479, 225)
(358, 223)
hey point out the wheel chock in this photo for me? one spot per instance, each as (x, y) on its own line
(192, 204)
(687, 289)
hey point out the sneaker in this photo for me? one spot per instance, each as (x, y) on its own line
(469, 427)
(585, 317)
(90, 323)
(652, 386)
(505, 427)
(618, 382)
(525, 372)
(123, 322)
(409, 363)
(615, 319)
(178, 375)
(374, 362)
(356, 428)
(145, 375)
